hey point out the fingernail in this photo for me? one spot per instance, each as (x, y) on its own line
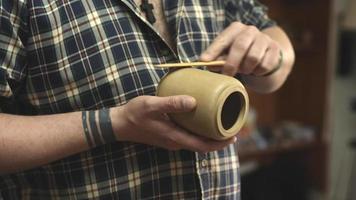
(235, 139)
(189, 102)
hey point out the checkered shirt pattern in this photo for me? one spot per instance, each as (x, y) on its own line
(70, 55)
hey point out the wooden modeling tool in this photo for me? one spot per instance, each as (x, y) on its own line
(192, 64)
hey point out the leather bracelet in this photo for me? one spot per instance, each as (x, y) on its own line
(97, 127)
(276, 68)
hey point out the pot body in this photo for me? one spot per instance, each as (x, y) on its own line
(222, 102)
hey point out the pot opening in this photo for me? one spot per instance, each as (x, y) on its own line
(231, 110)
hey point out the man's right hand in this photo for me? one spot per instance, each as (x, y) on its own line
(31, 141)
(144, 119)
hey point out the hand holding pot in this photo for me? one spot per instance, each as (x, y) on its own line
(144, 120)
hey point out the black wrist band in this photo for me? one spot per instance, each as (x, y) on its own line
(85, 122)
(279, 65)
(97, 127)
(106, 126)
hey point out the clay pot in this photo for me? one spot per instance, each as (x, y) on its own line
(222, 102)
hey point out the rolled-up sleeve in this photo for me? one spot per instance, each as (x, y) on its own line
(250, 12)
(13, 34)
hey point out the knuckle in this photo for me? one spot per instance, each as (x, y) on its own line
(266, 38)
(241, 44)
(236, 24)
(173, 103)
(273, 45)
(252, 29)
(147, 104)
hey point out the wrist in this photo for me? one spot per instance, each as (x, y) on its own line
(119, 122)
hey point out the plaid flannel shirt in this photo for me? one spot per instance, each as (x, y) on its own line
(69, 55)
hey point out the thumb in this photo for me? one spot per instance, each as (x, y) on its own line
(175, 104)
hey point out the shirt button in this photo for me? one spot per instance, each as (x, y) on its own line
(204, 163)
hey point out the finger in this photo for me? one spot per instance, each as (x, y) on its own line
(239, 50)
(255, 55)
(205, 145)
(172, 104)
(269, 61)
(200, 144)
(222, 42)
(174, 137)
(217, 68)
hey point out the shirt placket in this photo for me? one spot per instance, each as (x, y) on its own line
(202, 160)
(203, 168)
(164, 48)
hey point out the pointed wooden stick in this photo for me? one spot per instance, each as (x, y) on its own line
(192, 64)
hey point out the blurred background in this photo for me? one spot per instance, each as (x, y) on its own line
(300, 142)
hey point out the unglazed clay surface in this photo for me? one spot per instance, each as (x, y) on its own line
(222, 102)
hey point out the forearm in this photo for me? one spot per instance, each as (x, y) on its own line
(30, 141)
(266, 84)
(27, 142)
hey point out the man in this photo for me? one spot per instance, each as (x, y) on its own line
(77, 81)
